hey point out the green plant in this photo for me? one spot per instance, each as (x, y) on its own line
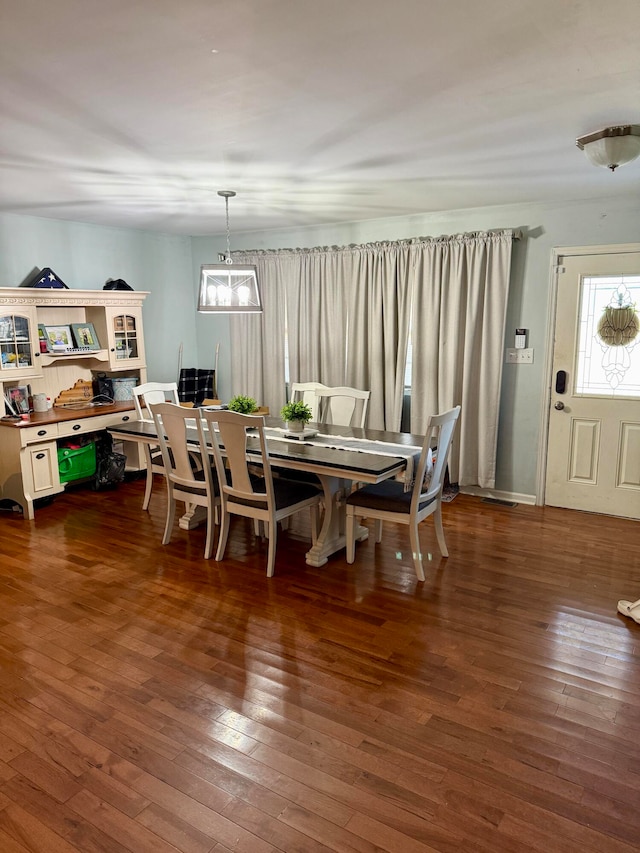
(296, 411)
(243, 404)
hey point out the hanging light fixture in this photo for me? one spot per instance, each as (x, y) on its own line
(226, 287)
(611, 147)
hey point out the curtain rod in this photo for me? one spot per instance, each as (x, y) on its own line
(501, 233)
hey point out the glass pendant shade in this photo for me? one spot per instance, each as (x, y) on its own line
(229, 288)
(226, 287)
(612, 147)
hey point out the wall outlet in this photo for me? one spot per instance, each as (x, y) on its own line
(519, 356)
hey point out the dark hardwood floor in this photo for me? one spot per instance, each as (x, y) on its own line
(154, 701)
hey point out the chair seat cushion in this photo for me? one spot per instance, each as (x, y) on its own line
(286, 492)
(387, 496)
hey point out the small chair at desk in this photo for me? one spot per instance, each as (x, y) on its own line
(199, 487)
(264, 498)
(389, 501)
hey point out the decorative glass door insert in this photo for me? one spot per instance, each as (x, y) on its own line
(126, 336)
(608, 357)
(15, 342)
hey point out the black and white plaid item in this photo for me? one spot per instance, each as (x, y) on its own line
(195, 385)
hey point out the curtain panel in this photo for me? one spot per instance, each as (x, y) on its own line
(349, 312)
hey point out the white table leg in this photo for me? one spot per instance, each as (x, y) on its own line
(332, 535)
(194, 516)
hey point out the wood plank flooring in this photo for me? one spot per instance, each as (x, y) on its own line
(154, 701)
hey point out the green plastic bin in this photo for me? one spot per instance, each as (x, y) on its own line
(77, 463)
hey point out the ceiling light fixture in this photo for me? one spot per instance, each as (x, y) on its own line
(228, 288)
(613, 146)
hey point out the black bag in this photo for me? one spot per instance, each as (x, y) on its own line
(109, 464)
(110, 470)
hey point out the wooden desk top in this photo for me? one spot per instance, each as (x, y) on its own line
(57, 414)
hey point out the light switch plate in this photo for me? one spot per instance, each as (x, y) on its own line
(520, 356)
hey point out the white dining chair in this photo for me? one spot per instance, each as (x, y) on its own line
(388, 500)
(306, 393)
(184, 483)
(343, 406)
(265, 499)
(148, 394)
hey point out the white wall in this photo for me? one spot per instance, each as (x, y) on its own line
(545, 226)
(85, 256)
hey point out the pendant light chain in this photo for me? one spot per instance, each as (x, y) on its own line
(227, 194)
(226, 201)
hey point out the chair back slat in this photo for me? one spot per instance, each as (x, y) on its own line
(432, 466)
(229, 433)
(343, 406)
(151, 393)
(172, 422)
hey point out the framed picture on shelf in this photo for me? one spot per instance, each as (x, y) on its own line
(19, 399)
(8, 405)
(85, 335)
(58, 337)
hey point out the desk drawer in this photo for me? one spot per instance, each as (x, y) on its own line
(114, 420)
(67, 428)
(46, 432)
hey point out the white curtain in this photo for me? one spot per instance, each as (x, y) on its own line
(348, 313)
(459, 311)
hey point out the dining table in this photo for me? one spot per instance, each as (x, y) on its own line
(337, 455)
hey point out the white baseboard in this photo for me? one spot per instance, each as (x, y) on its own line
(499, 495)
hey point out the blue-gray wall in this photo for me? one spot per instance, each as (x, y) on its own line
(85, 256)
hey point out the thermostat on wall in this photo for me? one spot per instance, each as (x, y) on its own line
(521, 339)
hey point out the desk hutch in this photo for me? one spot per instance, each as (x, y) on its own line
(28, 449)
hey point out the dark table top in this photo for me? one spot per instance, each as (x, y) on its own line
(304, 455)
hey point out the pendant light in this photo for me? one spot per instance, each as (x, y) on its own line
(228, 288)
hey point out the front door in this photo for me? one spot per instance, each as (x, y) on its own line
(593, 454)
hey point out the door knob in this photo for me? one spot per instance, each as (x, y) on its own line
(559, 405)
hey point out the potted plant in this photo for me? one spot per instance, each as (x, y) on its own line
(243, 404)
(296, 415)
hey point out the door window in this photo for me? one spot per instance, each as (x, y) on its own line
(608, 358)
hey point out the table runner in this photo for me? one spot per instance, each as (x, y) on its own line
(410, 453)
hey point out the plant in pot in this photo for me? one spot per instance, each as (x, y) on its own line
(243, 404)
(296, 415)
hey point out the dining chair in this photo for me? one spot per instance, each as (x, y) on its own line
(264, 498)
(145, 395)
(191, 486)
(343, 406)
(388, 500)
(306, 392)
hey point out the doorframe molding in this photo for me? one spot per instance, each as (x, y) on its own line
(557, 254)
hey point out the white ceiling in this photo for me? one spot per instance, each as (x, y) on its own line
(117, 112)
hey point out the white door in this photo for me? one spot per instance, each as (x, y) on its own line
(593, 454)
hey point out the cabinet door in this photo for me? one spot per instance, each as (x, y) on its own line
(126, 343)
(40, 470)
(19, 347)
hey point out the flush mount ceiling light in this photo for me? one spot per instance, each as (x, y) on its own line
(228, 288)
(613, 146)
